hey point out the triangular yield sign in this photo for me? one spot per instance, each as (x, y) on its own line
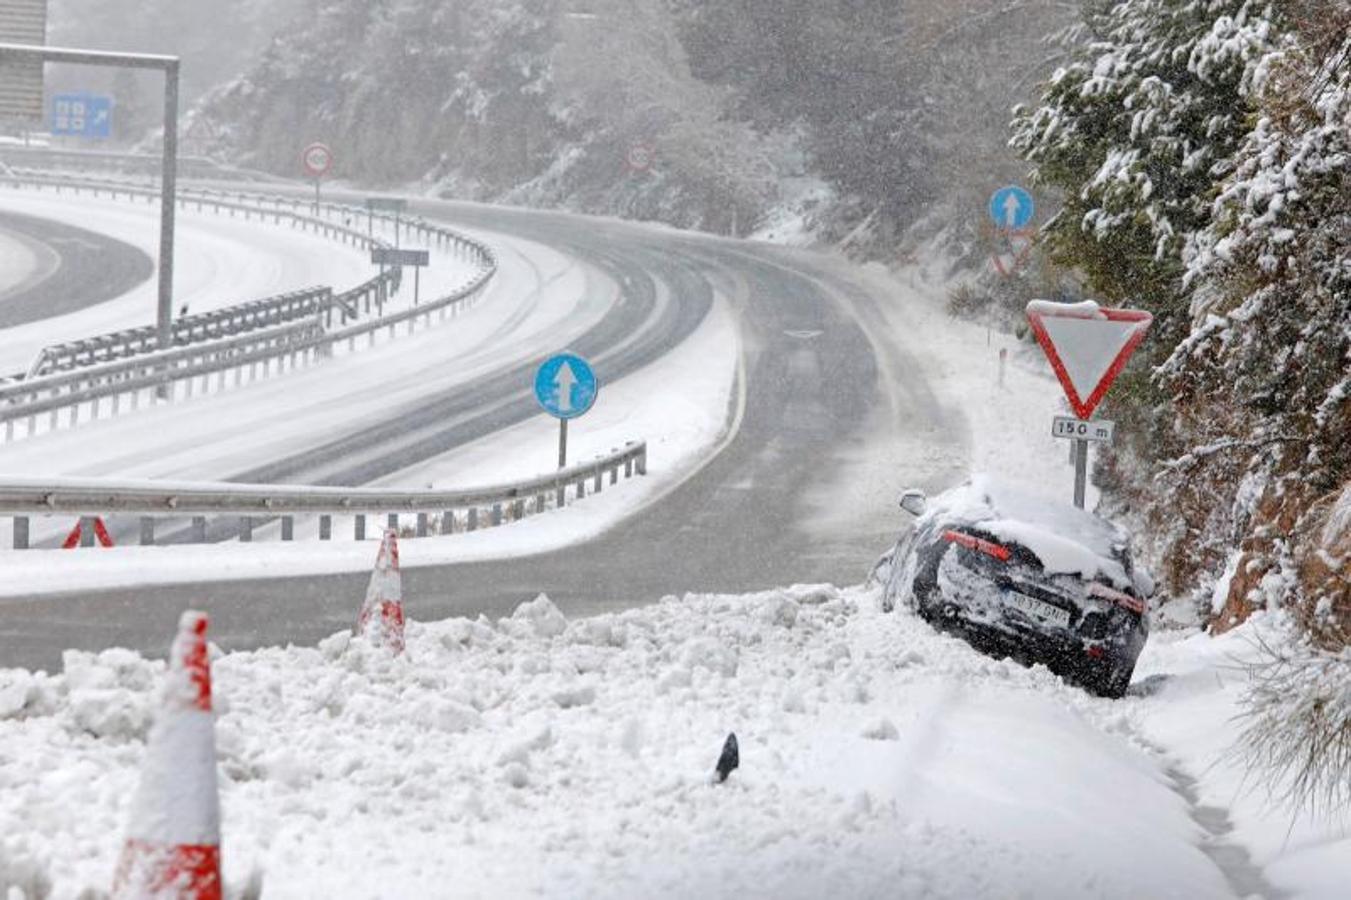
(1088, 346)
(1013, 250)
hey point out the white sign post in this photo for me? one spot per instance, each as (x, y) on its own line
(1087, 346)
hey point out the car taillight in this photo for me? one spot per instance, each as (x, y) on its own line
(1120, 598)
(989, 548)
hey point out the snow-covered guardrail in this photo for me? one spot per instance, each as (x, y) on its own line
(213, 325)
(145, 165)
(26, 404)
(442, 512)
(25, 401)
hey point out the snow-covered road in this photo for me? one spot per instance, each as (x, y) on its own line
(219, 261)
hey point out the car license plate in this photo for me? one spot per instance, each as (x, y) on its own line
(1038, 609)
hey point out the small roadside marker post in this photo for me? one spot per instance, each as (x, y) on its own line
(1087, 346)
(565, 387)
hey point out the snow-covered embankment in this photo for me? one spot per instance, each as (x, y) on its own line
(533, 754)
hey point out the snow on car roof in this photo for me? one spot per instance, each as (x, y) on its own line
(1065, 538)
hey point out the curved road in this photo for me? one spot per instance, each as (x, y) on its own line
(828, 400)
(76, 269)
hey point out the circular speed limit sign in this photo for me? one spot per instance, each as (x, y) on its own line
(640, 157)
(317, 159)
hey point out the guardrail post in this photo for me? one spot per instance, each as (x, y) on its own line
(641, 463)
(614, 474)
(562, 496)
(246, 529)
(287, 528)
(497, 514)
(394, 521)
(20, 532)
(600, 480)
(471, 523)
(199, 529)
(581, 488)
(448, 522)
(147, 531)
(422, 524)
(518, 510)
(539, 503)
(359, 527)
(86, 531)
(325, 527)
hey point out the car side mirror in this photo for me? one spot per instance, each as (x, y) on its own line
(913, 501)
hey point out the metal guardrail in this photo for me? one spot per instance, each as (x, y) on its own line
(143, 164)
(31, 398)
(442, 512)
(27, 399)
(207, 326)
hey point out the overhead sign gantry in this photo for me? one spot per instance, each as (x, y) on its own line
(27, 54)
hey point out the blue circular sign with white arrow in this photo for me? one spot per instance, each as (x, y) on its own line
(1012, 207)
(566, 386)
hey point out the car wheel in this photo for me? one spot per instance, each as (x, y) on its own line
(1112, 680)
(925, 597)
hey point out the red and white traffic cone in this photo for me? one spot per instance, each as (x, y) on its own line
(101, 534)
(173, 838)
(381, 618)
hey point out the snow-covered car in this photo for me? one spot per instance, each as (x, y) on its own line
(1020, 574)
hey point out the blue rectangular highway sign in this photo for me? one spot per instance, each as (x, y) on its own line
(82, 115)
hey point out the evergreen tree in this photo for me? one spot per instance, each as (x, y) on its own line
(1202, 147)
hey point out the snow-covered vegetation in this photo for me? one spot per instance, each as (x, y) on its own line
(1204, 149)
(699, 113)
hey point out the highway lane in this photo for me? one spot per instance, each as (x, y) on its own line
(659, 306)
(81, 268)
(824, 386)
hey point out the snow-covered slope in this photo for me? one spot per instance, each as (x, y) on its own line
(536, 756)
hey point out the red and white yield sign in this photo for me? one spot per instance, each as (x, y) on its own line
(1088, 346)
(317, 159)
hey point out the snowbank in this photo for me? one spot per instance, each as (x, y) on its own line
(1197, 683)
(539, 756)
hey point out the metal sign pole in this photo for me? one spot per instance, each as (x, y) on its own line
(317, 179)
(167, 203)
(562, 443)
(1080, 470)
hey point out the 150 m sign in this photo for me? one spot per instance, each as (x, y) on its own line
(1099, 430)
